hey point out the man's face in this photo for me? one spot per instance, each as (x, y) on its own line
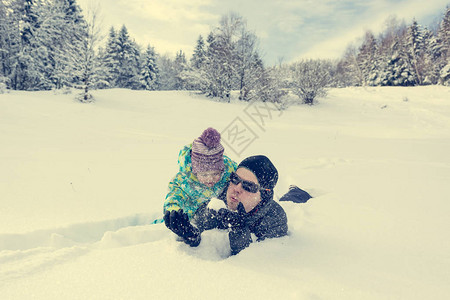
(236, 193)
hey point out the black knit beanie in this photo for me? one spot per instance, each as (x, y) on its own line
(265, 171)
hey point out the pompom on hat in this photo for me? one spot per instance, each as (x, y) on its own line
(207, 152)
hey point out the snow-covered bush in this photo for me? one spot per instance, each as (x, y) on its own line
(85, 97)
(269, 87)
(196, 79)
(310, 79)
(63, 91)
(3, 86)
(445, 75)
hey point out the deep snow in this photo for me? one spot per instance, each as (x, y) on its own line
(80, 183)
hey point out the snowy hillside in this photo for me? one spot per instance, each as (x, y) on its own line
(80, 183)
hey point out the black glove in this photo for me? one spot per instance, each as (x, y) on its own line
(178, 222)
(230, 218)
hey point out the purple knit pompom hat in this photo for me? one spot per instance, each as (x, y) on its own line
(207, 152)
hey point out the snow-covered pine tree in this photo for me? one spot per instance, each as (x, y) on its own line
(367, 59)
(214, 77)
(396, 67)
(193, 76)
(23, 73)
(180, 66)
(65, 46)
(88, 64)
(249, 65)
(397, 70)
(221, 63)
(349, 72)
(167, 71)
(29, 18)
(415, 51)
(110, 58)
(128, 61)
(226, 38)
(199, 56)
(5, 30)
(51, 46)
(51, 35)
(231, 60)
(102, 71)
(150, 70)
(445, 75)
(43, 38)
(430, 70)
(444, 45)
(80, 39)
(9, 41)
(444, 34)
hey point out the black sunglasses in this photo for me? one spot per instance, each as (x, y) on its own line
(246, 185)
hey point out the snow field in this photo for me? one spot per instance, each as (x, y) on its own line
(80, 184)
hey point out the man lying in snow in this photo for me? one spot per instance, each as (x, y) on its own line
(250, 209)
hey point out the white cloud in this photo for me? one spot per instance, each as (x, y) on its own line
(379, 11)
(168, 25)
(373, 18)
(169, 47)
(286, 28)
(330, 48)
(290, 23)
(177, 11)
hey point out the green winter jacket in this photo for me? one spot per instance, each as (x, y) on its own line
(186, 192)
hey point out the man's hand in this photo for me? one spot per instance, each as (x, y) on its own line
(178, 222)
(230, 218)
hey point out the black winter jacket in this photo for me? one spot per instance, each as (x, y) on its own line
(267, 220)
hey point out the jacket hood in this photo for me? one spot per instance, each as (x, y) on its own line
(184, 159)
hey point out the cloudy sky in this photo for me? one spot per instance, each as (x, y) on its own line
(287, 29)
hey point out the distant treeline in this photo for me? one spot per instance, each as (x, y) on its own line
(52, 44)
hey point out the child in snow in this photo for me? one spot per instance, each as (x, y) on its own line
(250, 208)
(203, 174)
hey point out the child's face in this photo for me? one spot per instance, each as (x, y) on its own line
(209, 178)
